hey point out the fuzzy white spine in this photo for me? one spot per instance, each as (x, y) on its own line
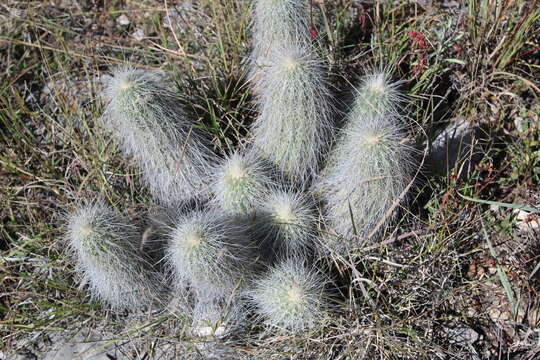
(294, 126)
(276, 24)
(291, 296)
(288, 221)
(370, 166)
(240, 183)
(146, 118)
(214, 254)
(105, 248)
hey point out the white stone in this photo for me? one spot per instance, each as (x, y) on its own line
(123, 20)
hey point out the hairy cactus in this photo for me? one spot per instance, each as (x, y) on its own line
(106, 251)
(240, 183)
(370, 166)
(377, 95)
(291, 296)
(289, 222)
(294, 127)
(214, 254)
(145, 116)
(276, 24)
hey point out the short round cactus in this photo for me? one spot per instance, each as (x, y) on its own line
(214, 254)
(294, 126)
(291, 296)
(240, 183)
(288, 222)
(105, 246)
(370, 166)
(146, 118)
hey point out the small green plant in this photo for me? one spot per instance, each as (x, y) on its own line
(104, 246)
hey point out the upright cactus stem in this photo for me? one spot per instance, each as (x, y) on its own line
(276, 24)
(294, 127)
(370, 166)
(288, 221)
(105, 248)
(146, 118)
(378, 95)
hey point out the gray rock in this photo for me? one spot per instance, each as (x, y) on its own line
(452, 150)
(85, 345)
(461, 335)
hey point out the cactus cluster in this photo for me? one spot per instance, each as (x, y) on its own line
(242, 232)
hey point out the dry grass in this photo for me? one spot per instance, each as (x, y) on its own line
(454, 279)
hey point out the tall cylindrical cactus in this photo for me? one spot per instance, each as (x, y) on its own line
(370, 166)
(294, 126)
(105, 246)
(276, 24)
(145, 116)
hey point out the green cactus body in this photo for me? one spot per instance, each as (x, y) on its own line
(240, 183)
(288, 223)
(294, 127)
(146, 117)
(276, 24)
(370, 166)
(212, 253)
(291, 296)
(104, 245)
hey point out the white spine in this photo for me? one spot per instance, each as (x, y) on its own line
(294, 127)
(105, 248)
(370, 166)
(146, 118)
